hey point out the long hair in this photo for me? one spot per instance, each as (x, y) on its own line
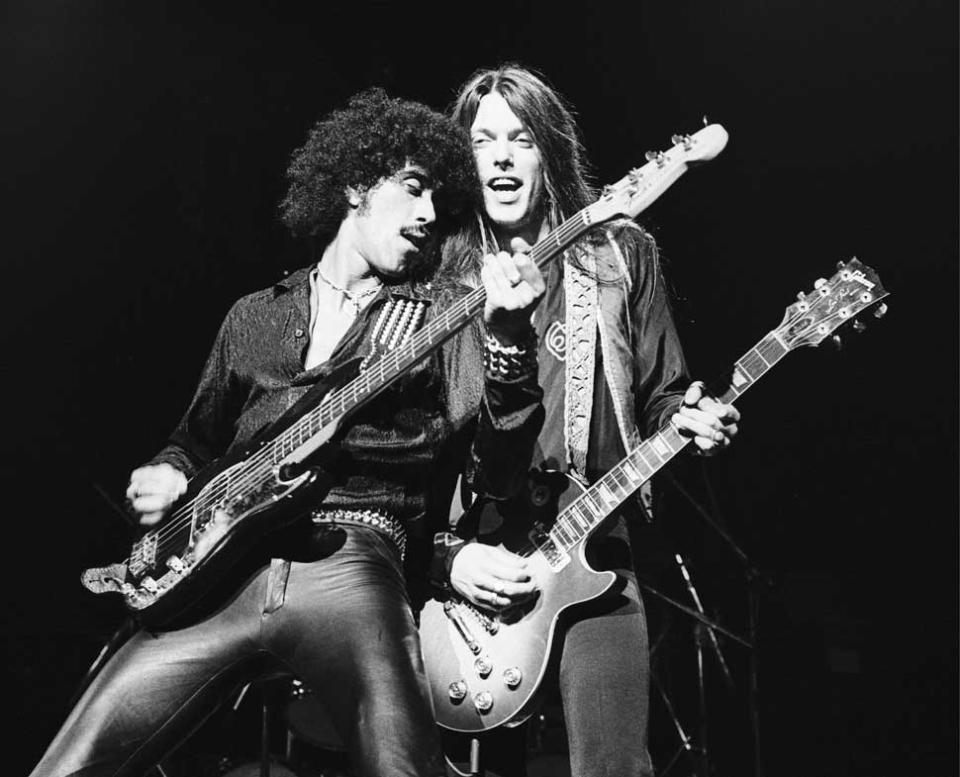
(549, 119)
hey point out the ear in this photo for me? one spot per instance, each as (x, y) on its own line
(354, 197)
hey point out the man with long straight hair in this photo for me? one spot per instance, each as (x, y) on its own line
(608, 382)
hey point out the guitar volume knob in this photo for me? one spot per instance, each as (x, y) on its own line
(512, 676)
(483, 665)
(483, 701)
(457, 690)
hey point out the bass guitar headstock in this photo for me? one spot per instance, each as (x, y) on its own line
(629, 196)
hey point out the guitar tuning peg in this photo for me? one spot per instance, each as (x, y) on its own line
(675, 139)
(841, 265)
(706, 121)
(819, 282)
(657, 156)
(858, 326)
(836, 342)
(801, 296)
(880, 311)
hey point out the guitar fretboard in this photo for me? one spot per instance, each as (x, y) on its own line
(586, 512)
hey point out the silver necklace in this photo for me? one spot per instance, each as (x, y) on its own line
(352, 297)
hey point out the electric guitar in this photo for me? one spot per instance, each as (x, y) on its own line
(229, 506)
(484, 667)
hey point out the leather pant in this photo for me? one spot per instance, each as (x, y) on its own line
(345, 628)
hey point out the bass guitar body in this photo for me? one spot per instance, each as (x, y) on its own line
(180, 570)
(485, 668)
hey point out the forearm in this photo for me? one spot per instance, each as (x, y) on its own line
(510, 418)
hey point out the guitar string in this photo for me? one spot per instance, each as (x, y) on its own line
(250, 476)
(767, 350)
(612, 479)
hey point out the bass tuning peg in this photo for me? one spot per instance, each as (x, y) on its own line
(880, 311)
(858, 325)
(836, 342)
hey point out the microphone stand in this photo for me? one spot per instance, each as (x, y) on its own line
(705, 630)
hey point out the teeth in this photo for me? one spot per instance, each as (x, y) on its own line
(508, 183)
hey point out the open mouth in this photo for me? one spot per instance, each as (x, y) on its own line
(506, 189)
(504, 184)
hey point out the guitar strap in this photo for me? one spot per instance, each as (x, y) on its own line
(585, 322)
(581, 300)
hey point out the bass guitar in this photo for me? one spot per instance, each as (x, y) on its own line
(230, 505)
(484, 667)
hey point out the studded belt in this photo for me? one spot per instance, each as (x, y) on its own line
(385, 524)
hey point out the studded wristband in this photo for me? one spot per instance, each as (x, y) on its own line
(509, 362)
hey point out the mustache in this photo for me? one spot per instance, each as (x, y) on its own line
(417, 234)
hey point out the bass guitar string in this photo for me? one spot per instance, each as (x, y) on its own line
(569, 230)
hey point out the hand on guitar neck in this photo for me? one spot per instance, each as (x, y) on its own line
(514, 287)
(710, 423)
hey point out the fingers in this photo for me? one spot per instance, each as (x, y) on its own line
(153, 489)
(514, 286)
(710, 423)
(512, 282)
(149, 519)
(491, 576)
(694, 392)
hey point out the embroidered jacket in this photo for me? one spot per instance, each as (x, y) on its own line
(612, 369)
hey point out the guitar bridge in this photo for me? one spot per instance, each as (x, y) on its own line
(450, 610)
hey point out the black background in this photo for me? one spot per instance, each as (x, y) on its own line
(143, 152)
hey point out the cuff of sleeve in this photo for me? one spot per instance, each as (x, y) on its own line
(446, 546)
(510, 362)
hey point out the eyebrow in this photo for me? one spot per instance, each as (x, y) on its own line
(511, 134)
(415, 171)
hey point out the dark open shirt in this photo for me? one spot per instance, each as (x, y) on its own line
(401, 452)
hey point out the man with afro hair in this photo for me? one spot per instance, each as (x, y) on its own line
(374, 188)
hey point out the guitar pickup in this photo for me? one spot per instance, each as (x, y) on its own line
(450, 610)
(144, 554)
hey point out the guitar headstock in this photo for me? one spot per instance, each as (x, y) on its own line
(641, 186)
(831, 304)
